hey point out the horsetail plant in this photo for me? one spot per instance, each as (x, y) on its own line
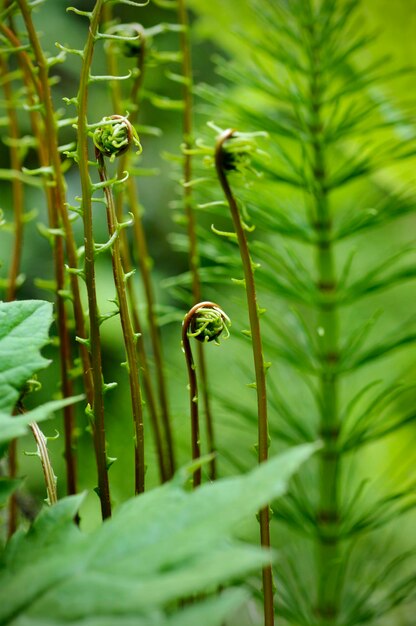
(205, 322)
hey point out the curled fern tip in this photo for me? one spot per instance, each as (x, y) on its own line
(208, 323)
(114, 136)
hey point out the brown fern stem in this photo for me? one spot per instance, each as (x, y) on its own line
(97, 405)
(128, 333)
(259, 367)
(33, 85)
(190, 217)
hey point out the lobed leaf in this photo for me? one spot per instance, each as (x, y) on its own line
(159, 547)
(24, 327)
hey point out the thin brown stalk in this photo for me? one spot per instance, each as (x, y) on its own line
(59, 268)
(143, 260)
(42, 86)
(128, 332)
(259, 366)
(97, 405)
(193, 392)
(190, 217)
(17, 199)
(190, 319)
(17, 185)
(111, 60)
(144, 367)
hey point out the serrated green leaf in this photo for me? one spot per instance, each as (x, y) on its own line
(24, 327)
(16, 426)
(211, 612)
(159, 547)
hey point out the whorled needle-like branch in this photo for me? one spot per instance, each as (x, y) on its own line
(205, 322)
(228, 160)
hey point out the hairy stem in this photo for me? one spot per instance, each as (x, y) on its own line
(128, 333)
(50, 478)
(259, 366)
(190, 216)
(94, 317)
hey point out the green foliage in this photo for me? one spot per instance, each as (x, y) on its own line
(16, 426)
(24, 330)
(162, 546)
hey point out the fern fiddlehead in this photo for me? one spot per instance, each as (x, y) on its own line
(194, 261)
(112, 138)
(132, 40)
(224, 162)
(97, 406)
(205, 322)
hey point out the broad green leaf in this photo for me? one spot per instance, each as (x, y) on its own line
(52, 526)
(24, 327)
(16, 426)
(159, 547)
(210, 612)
